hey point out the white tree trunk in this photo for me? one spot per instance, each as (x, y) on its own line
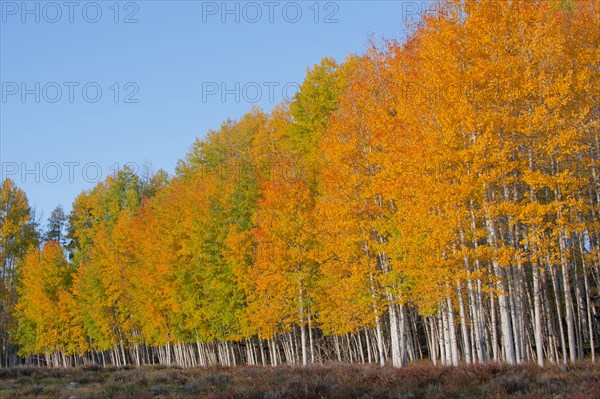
(505, 327)
(539, 345)
(463, 324)
(569, 313)
(394, 338)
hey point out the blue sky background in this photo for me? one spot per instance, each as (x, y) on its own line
(173, 49)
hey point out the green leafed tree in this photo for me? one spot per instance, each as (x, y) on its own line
(17, 235)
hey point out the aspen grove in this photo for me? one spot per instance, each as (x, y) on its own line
(436, 198)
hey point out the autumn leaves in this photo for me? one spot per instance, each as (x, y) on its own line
(359, 221)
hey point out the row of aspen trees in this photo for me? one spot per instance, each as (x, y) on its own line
(436, 198)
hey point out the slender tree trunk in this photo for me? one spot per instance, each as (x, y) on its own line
(403, 340)
(368, 342)
(539, 346)
(463, 324)
(589, 313)
(431, 339)
(494, 328)
(452, 333)
(507, 335)
(379, 335)
(303, 343)
(569, 313)
(310, 340)
(444, 336)
(559, 314)
(394, 339)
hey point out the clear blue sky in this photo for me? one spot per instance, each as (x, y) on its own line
(174, 56)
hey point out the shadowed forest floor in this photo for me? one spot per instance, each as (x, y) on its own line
(330, 381)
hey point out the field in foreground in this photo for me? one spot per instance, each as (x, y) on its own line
(333, 381)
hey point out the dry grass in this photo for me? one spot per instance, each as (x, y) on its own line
(331, 381)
